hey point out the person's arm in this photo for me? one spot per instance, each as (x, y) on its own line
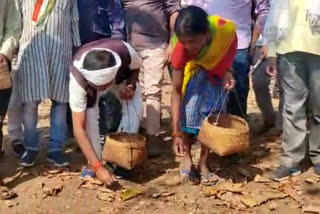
(172, 8)
(176, 98)
(262, 8)
(255, 36)
(78, 103)
(179, 147)
(79, 129)
(11, 31)
(75, 25)
(117, 19)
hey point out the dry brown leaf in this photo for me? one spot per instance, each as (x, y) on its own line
(54, 171)
(94, 181)
(222, 188)
(69, 174)
(13, 178)
(89, 186)
(258, 199)
(312, 208)
(52, 191)
(106, 190)
(41, 184)
(310, 180)
(162, 194)
(260, 179)
(249, 201)
(106, 196)
(294, 195)
(273, 205)
(6, 193)
(9, 204)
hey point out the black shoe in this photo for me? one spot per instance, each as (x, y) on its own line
(57, 159)
(29, 158)
(283, 173)
(154, 146)
(122, 173)
(18, 148)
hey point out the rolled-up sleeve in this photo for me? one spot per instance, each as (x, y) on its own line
(262, 8)
(117, 19)
(75, 24)
(11, 29)
(172, 6)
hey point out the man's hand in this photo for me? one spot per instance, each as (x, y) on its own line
(272, 66)
(168, 55)
(228, 81)
(128, 92)
(264, 51)
(3, 60)
(106, 177)
(179, 146)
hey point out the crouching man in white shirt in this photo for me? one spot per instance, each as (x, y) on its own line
(97, 67)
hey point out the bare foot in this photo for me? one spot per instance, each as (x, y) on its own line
(188, 172)
(207, 178)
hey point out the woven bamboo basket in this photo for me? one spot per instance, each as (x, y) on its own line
(228, 135)
(125, 150)
(5, 79)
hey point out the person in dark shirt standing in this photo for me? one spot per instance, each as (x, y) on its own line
(101, 19)
(148, 23)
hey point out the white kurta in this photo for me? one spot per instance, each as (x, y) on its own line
(45, 55)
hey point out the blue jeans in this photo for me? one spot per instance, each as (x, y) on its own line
(237, 104)
(58, 126)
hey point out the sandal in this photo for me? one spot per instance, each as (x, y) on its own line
(190, 175)
(209, 179)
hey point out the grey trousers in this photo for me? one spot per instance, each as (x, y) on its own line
(300, 82)
(263, 89)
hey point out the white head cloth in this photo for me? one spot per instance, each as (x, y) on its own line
(98, 77)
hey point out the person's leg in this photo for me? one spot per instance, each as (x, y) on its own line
(261, 82)
(4, 102)
(31, 140)
(237, 104)
(188, 172)
(207, 178)
(293, 77)
(58, 133)
(15, 119)
(153, 61)
(153, 73)
(314, 90)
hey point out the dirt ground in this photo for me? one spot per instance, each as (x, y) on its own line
(244, 186)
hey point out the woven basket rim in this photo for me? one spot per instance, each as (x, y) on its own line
(132, 145)
(230, 130)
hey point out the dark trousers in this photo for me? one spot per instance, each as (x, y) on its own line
(237, 104)
(4, 102)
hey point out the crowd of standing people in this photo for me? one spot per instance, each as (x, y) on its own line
(88, 57)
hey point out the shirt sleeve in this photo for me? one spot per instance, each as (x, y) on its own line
(136, 61)
(172, 6)
(75, 23)
(77, 97)
(11, 29)
(179, 57)
(272, 48)
(117, 19)
(262, 8)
